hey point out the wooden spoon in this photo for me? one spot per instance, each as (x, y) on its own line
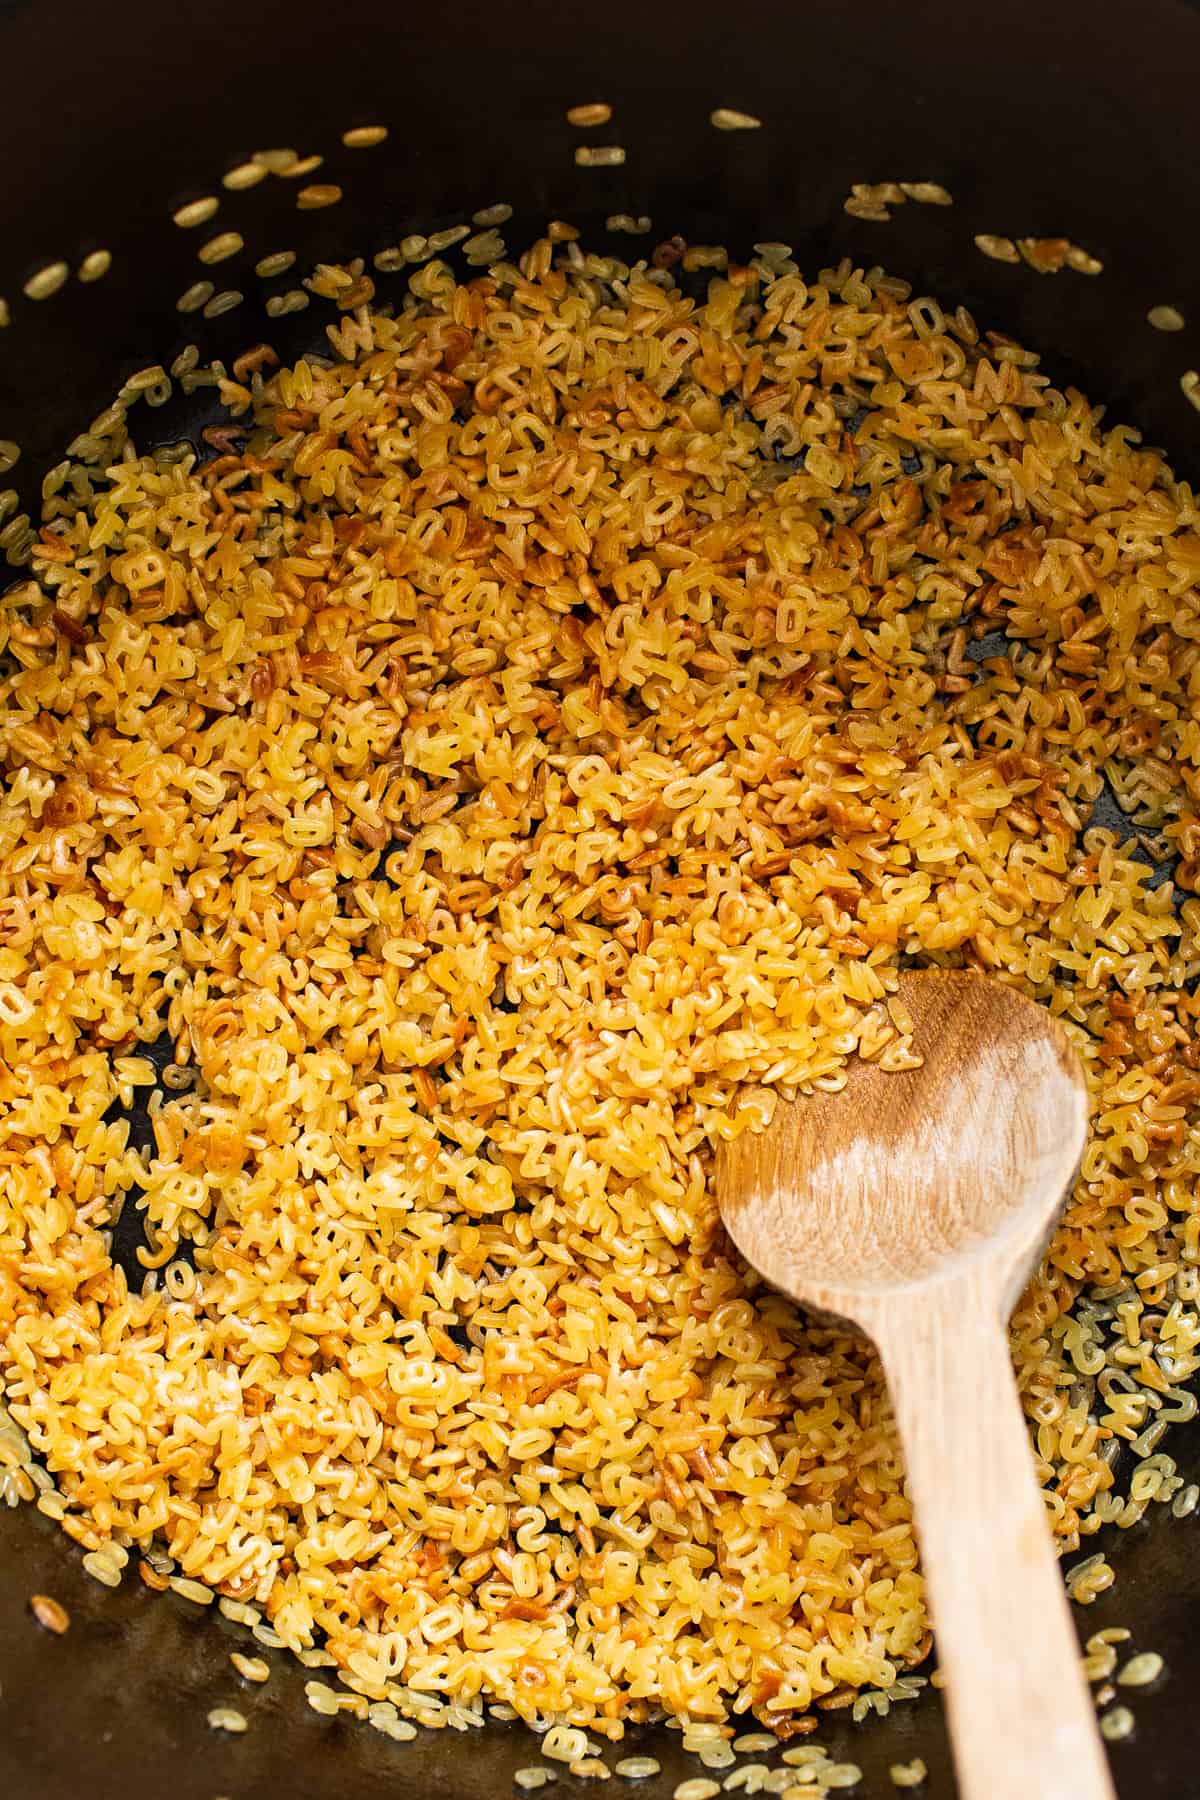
(916, 1204)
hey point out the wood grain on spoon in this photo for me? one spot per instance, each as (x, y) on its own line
(916, 1204)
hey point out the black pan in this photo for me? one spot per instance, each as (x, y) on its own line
(1048, 118)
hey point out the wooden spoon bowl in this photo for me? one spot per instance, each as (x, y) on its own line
(915, 1204)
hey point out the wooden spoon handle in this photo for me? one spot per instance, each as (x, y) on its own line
(1022, 1719)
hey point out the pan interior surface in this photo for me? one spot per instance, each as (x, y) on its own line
(1042, 128)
